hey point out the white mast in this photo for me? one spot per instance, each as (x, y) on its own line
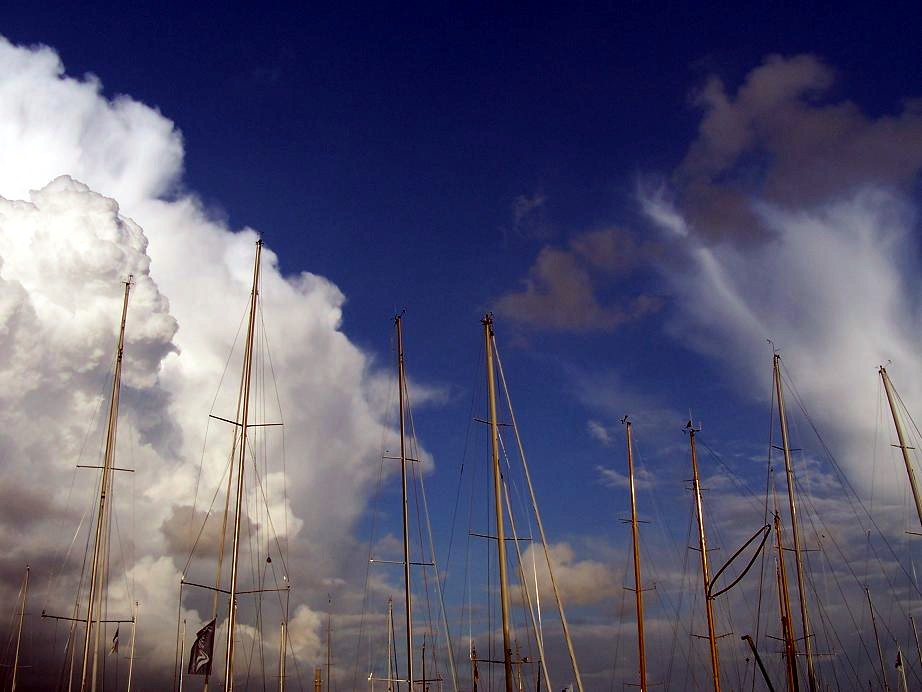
(22, 614)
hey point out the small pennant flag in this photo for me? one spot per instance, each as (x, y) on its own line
(899, 659)
(476, 670)
(114, 648)
(202, 650)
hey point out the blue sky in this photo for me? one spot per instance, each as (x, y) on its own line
(451, 160)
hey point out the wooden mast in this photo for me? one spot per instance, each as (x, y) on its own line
(242, 423)
(705, 571)
(795, 531)
(635, 536)
(904, 448)
(534, 503)
(22, 614)
(498, 501)
(790, 647)
(94, 605)
(408, 604)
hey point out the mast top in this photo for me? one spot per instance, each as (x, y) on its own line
(487, 320)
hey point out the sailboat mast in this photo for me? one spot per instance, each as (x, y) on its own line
(790, 647)
(915, 635)
(93, 610)
(401, 386)
(182, 654)
(705, 570)
(22, 614)
(329, 642)
(283, 644)
(498, 498)
(635, 536)
(134, 629)
(241, 460)
(795, 531)
(880, 653)
(904, 448)
(390, 644)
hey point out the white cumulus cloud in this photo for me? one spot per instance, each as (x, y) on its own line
(92, 191)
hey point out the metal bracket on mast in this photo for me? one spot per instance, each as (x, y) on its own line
(111, 468)
(61, 617)
(494, 538)
(249, 425)
(400, 459)
(498, 425)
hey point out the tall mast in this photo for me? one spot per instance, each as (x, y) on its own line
(705, 571)
(790, 647)
(134, 629)
(915, 636)
(241, 461)
(408, 604)
(94, 606)
(22, 614)
(891, 399)
(329, 642)
(880, 653)
(283, 644)
(182, 653)
(635, 536)
(390, 644)
(497, 493)
(795, 531)
(544, 544)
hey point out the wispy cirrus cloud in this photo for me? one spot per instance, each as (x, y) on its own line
(817, 251)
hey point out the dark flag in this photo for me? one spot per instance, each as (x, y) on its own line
(114, 649)
(202, 650)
